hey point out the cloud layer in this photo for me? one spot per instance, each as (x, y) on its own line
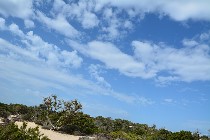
(164, 63)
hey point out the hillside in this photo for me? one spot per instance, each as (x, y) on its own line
(67, 117)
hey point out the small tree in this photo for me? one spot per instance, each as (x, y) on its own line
(56, 111)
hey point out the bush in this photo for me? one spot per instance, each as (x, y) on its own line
(79, 124)
(12, 132)
(121, 135)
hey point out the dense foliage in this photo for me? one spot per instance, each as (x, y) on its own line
(67, 116)
(12, 132)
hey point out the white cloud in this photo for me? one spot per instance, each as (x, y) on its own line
(32, 72)
(108, 13)
(177, 10)
(81, 11)
(144, 101)
(42, 50)
(111, 56)
(37, 61)
(15, 29)
(95, 72)
(113, 26)
(51, 53)
(186, 64)
(89, 20)
(29, 23)
(39, 76)
(205, 36)
(112, 30)
(128, 24)
(2, 23)
(12, 28)
(21, 8)
(189, 43)
(59, 24)
(168, 100)
(161, 62)
(185, 10)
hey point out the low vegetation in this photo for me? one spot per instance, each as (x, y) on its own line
(67, 117)
(12, 132)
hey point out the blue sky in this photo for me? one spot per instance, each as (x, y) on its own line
(146, 61)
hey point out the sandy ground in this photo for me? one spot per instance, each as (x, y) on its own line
(50, 133)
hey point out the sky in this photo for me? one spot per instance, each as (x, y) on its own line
(146, 61)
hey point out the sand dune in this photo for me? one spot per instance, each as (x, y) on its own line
(53, 135)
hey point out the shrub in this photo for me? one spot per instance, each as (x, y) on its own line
(12, 132)
(79, 124)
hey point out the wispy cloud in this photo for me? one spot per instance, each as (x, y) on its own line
(40, 76)
(168, 100)
(197, 10)
(164, 63)
(110, 55)
(39, 49)
(59, 24)
(95, 71)
(40, 65)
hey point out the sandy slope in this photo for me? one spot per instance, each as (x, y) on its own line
(49, 133)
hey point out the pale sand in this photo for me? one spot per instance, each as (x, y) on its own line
(53, 135)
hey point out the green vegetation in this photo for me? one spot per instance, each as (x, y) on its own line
(12, 132)
(67, 117)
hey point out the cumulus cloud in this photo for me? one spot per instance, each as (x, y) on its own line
(21, 8)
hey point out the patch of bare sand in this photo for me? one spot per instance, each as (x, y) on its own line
(53, 135)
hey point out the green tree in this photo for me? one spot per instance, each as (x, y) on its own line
(55, 111)
(182, 135)
(79, 124)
